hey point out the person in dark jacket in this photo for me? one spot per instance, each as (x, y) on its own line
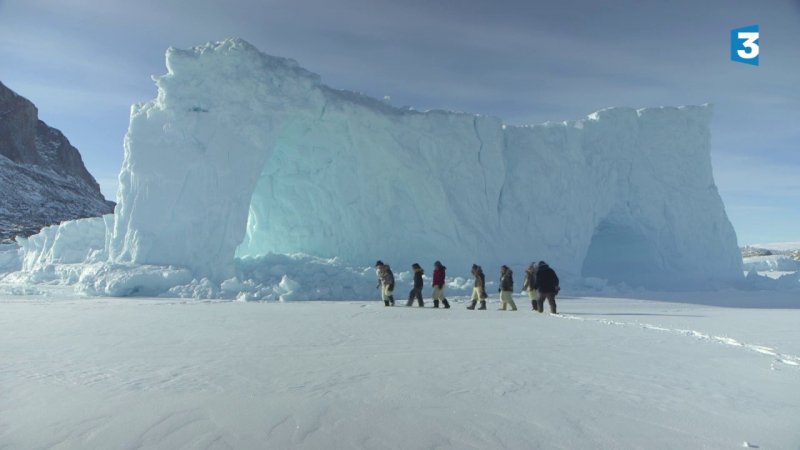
(479, 290)
(416, 291)
(439, 271)
(484, 295)
(507, 289)
(529, 283)
(547, 286)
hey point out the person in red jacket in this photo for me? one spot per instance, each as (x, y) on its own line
(438, 285)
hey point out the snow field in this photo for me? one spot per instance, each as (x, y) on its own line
(608, 374)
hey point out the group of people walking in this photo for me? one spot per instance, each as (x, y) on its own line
(541, 283)
(386, 284)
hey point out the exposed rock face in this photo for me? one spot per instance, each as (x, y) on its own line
(42, 177)
(755, 251)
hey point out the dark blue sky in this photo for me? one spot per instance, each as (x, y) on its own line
(85, 62)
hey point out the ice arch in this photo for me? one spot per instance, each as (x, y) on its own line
(620, 252)
(245, 150)
(193, 155)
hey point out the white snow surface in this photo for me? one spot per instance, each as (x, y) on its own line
(247, 154)
(604, 374)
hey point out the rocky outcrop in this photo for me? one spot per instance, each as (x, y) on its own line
(43, 180)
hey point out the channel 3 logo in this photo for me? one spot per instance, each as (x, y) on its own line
(744, 45)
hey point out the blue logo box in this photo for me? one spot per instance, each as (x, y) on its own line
(745, 45)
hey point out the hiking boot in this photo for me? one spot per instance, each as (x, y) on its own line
(436, 303)
(445, 304)
(483, 305)
(386, 303)
(472, 305)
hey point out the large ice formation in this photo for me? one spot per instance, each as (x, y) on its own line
(244, 154)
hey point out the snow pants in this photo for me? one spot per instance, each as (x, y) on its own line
(416, 293)
(476, 294)
(388, 295)
(438, 293)
(532, 296)
(551, 299)
(507, 300)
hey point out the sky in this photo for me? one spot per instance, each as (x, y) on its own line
(85, 62)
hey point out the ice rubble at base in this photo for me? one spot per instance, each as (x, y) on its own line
(60, 255)
(243, 157)
(74, 253)
(769, 263)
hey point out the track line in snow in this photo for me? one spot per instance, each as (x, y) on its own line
(789, 360)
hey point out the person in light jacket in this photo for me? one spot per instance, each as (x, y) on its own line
(507, 289)
(479, 290)
(385, 283)
(527, 285)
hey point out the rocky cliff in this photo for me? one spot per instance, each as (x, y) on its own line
(42, 177)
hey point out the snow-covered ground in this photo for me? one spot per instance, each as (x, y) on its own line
(605, 374)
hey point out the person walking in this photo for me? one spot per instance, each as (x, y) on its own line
(416, 291)
(379, 273)
(546, 284)
(507, 289)
(527, 285)
(439, 271)
(386, 283)
(479, 290)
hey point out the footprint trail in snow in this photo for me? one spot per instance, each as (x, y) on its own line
(789, 360)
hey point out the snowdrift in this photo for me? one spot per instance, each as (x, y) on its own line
(244, 155)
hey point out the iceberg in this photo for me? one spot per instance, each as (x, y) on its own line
(243, 155)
